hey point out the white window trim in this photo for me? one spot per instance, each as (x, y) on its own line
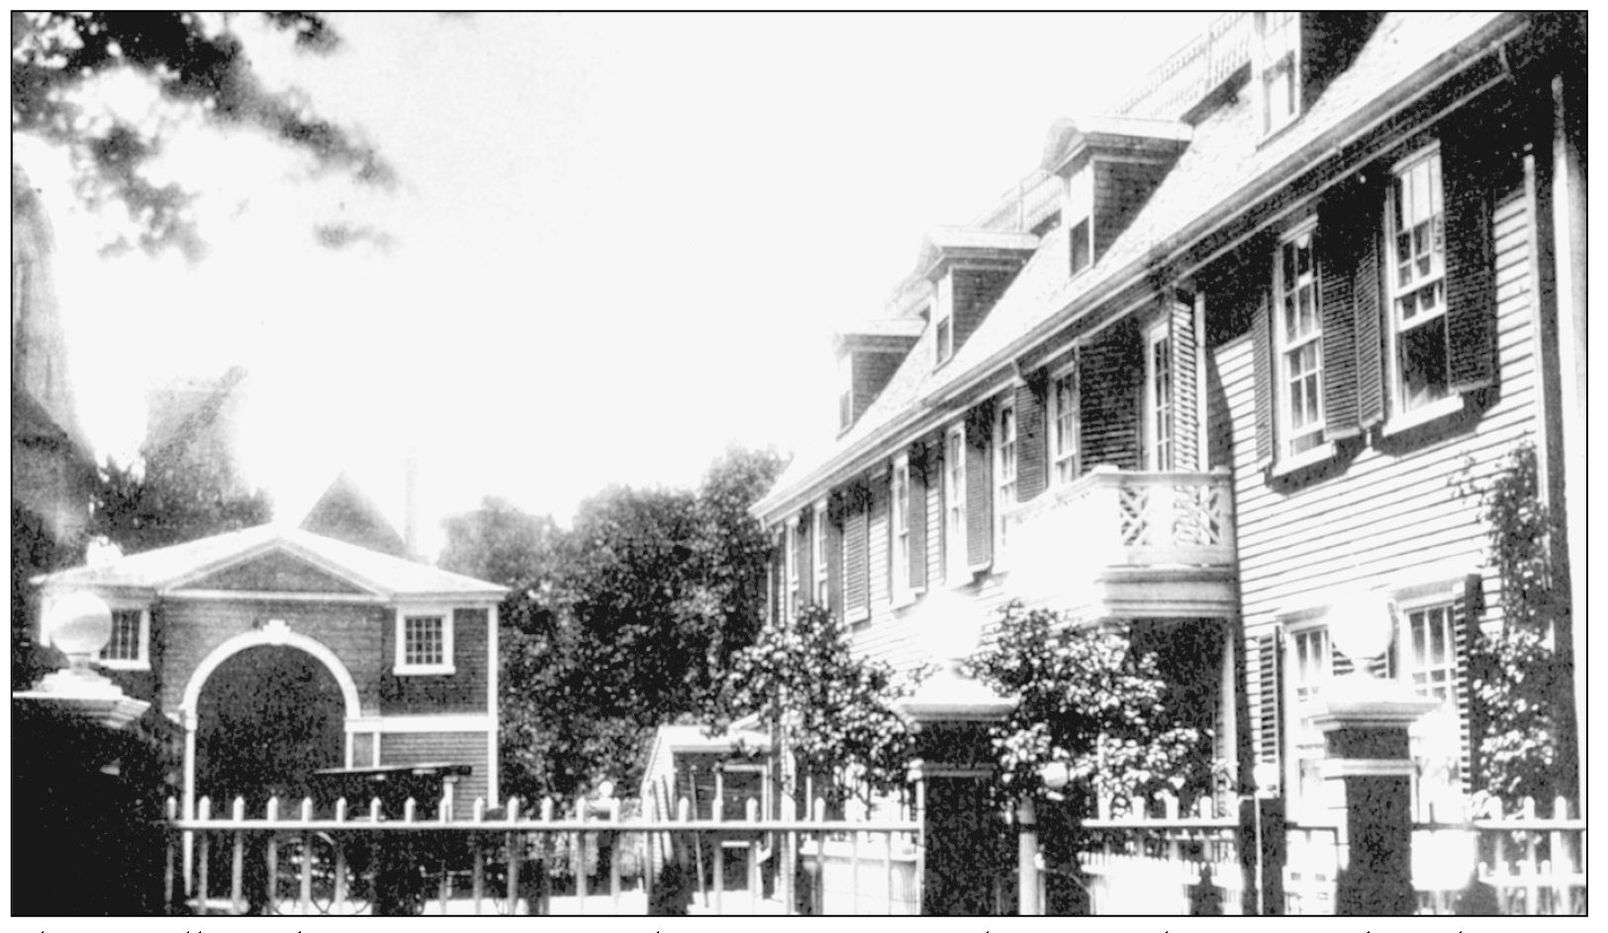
(957, 570)
(143, 661)
(1004, 487)
(403, 613)
(818, 555)
(901, 593)
(1057, 458)
(1298, 624)
(1158, 332)
(944, 350)
(1399, 418)
(1283, 402)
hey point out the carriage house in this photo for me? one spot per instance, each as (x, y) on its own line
(282, 652)
(1218, 366)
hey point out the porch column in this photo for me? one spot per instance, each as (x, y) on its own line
(190, 721)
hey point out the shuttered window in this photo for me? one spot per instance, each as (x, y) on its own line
(1064, 426)
(1308, 665)
(917, 512)
(979, 489)
(1298, 332)
(1416, 273)
(1005, 452)
(955, 503)
(818, 559)
(1031, 457)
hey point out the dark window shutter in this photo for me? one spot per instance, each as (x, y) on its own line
(916, 510)
(979, 488)
(1367, 300)
(1262, 376)
(1269, 689)
(1340, 663)
(1467, 611)
(1186, 413)
(1467, 167)
(1031, 458)
(834, 557)
(806, 560)
(778, 574)
(1110, 378)
(856, 579)
(1342, 231)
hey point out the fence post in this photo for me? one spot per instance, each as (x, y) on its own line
(172, 812)
(1027, 875)
(203, 813)
(238, 858)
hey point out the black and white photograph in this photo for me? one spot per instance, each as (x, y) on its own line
(901, 464)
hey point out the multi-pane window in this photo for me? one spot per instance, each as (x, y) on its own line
(1417, 277)
(128, 642)
(1430, 653)
(1159, 399)
(845, 376)
(818, 552)
(900, 557)
(1278, 53)
(1308, 661)
(955, 502)
(1005, 467)
(424, 641)
(1064, 427)
(1299, 332)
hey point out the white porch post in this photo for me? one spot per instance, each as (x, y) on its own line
(1228, 722)
(188, 810)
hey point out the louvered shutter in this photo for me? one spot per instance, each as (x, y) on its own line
(1367, 289)
(1344, 228)
(1110, 375)
(1467, 167)
(806, 559)
(834, 557)
(778, 575)
(1262, 377)
(1031, 457)
(979, 489)
(1186, 412)
(1466, 616)
(1268, 689)
(916, 512)
(856, 580)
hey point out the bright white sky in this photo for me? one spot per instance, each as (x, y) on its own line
(621, 242)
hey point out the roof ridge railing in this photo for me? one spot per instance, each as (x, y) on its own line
(1215, 54)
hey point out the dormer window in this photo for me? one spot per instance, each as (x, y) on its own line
(845, 381)
(1278, 68)
(1082, 252)
(944, 329)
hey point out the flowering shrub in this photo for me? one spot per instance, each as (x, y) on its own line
(1090, 700)
(837, 708)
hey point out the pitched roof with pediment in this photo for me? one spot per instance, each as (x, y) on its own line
(274, 558)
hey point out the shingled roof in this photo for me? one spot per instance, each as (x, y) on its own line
(1227, 161)
(165, 569)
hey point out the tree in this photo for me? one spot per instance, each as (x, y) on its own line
(200, 71)
(1522, 692)
(620, 623)
(171, 500)
(1091, 699)
(839, 709)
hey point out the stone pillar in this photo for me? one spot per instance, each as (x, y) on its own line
(1364, 723)
(1027, 859)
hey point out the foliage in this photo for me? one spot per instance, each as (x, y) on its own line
(1089, 700)
(175, 498)
(1521, 691)
(34, 550)
(838, 708)
(198, 69)
(620, 623)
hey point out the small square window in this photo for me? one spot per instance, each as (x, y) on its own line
(424, 642)
(129, 645)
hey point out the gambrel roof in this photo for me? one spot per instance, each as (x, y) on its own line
(275, 558)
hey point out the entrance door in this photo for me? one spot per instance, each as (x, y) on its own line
(269, 717)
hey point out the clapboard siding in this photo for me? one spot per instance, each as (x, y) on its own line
(465, 748)
(1395, 506)
(463, 691)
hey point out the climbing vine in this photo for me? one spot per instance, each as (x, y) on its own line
(1521, 690)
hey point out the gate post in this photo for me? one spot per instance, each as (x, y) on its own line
(1027, 850)
(1364, 722)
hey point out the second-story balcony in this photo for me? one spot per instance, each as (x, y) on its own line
(1125, 544)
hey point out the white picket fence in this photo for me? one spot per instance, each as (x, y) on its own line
(1152, 860)
(511, 861)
